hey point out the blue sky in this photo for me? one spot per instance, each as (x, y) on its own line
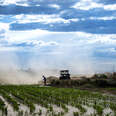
(79, 35)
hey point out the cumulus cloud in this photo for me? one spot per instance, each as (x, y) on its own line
(41, 38)
(90, 4)
(25, 35)
(4, 26)
(6, 2)
(110, 7)
(104, 39)
(46, 19)
(86, 5)
(16, 2)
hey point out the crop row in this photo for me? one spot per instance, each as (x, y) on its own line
(47, 97)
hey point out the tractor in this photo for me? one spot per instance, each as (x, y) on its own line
(64, 74)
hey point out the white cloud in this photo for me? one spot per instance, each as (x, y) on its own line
(73, 20)
(32, 40)
(46, 38)
(4, 26)
(86, 5)
(103, 39)
(7, 2)
(110, 7)
(90, 4)
(103, 18)
(2, 48)
(54, 6)
(23, 4)
(16, 2)
(46, 19)
(40, 43)
(25, 35)
(38, 36)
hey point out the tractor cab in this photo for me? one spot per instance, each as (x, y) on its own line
(64, 74)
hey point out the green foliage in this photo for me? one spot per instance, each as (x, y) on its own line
(46, 97)
(40, 112)
(75, 114)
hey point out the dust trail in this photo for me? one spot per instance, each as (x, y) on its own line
(20, 68)
(28, 67)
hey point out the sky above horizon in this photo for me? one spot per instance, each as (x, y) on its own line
(79, 35)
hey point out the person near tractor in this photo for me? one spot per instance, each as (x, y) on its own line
(44, 79)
